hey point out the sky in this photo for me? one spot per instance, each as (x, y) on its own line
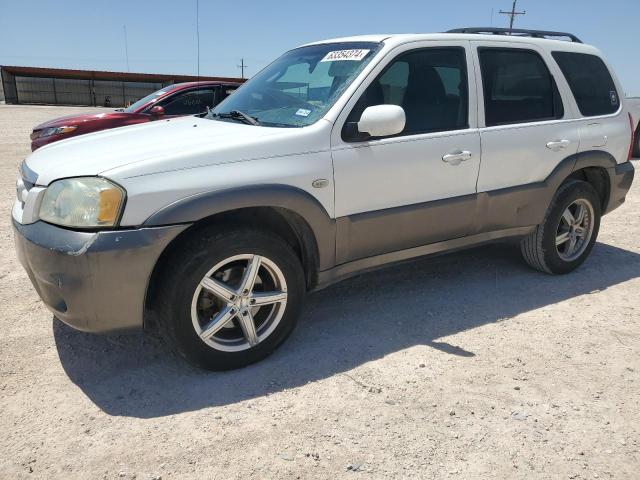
(161, 34)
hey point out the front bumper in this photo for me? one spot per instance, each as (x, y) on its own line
(620, 177)
(93, 281)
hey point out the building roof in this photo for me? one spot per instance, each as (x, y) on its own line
(101, 75)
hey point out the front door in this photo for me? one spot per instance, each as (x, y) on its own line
(417, 187)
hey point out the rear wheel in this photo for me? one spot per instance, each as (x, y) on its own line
(564, 240)
(230, 297)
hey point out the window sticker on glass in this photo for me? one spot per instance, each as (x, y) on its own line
(339, 55)
(303, 112)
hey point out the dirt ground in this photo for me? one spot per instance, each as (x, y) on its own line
(469, 365)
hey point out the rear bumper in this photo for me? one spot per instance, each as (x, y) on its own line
(93, 281)
(620, 177)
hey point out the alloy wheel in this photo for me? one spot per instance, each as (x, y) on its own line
(239, 302)
(575, 230)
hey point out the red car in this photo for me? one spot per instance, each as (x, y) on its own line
(189, 98)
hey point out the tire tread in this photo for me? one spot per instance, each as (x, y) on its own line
(531, 246)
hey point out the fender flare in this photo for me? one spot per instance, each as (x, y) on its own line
(291, 199)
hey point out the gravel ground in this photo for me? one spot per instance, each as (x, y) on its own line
(468, 365)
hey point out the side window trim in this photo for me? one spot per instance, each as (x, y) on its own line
(468, 72)
(558, 99)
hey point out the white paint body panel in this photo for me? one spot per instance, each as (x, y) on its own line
(161, 162)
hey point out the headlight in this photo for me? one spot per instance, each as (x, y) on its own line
(47, 132)
(82, 202)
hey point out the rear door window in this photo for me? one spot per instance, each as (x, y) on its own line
(189, 103)
(518, 87)
(590, 82)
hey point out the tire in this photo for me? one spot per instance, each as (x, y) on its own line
(636, 146)
(539, 248)
(188, 310)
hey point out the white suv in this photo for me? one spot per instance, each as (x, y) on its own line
(339, 157)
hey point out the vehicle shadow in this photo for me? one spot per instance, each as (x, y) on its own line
(343, 326)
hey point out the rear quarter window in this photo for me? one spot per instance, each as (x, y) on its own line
(590, 81)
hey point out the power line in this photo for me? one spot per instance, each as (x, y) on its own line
(242, 66)
(512, 14)
(126, 47)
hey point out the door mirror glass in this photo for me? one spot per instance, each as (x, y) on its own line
(156, 111)
(382, 120)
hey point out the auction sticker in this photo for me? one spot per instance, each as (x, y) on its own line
(339, 55)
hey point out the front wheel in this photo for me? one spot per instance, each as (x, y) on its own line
(565, 238)
(228, 298)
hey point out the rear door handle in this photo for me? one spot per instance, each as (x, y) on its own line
(456, 158)
(558, 145)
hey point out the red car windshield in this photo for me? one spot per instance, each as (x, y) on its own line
(143, 101)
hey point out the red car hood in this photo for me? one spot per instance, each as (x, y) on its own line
(82, 118)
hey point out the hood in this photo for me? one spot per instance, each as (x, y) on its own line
(160, 146)
(77, 119)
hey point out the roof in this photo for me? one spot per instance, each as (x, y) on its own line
(398, 39)
(117, 76)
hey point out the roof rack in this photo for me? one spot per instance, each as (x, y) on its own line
(516, 32)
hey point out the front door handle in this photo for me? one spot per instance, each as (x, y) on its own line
(456, 158)
(558, 145)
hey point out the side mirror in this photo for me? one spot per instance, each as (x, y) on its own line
(156, 111)
(382, 120)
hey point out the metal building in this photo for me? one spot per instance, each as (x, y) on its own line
(57, 86)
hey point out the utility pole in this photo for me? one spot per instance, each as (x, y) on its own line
(242, 66)
(198, 34)
(126, 47)
(512, 15)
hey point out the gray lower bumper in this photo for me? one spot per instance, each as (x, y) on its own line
(93, 281)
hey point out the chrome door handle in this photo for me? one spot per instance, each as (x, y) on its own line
(558, 145)
(457, 157)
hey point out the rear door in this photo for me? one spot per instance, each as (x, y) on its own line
(526, 130)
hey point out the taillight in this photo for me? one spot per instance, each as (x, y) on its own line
(633, 137)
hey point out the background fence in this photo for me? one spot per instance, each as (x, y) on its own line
(35, 85)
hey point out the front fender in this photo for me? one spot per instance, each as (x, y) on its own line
(202, 205)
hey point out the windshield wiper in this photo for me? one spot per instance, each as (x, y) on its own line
(238, 115)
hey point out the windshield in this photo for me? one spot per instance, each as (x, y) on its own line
(299, 87)
(135, 106)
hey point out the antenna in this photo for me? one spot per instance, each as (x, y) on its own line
(242, 66)
(126, 47)
(512, 14)
(198, 34)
